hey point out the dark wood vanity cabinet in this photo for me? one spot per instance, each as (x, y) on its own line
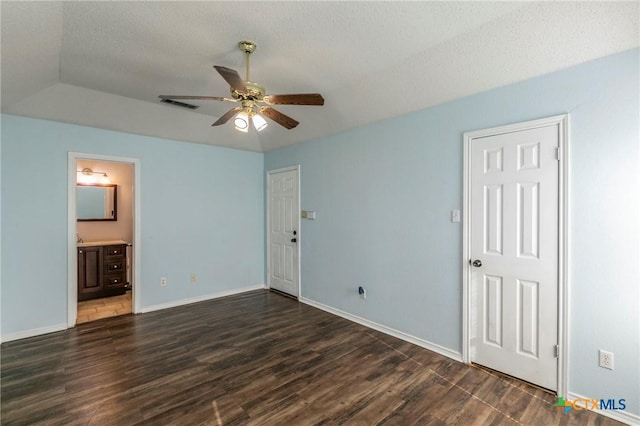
(101, 271)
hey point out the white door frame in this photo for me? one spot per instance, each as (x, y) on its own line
(268, 227)
(72, 258)
(562, 121)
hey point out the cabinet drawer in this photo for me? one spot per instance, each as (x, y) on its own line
(113, 284)
(114, 265)
(114, 251)
(114, 280)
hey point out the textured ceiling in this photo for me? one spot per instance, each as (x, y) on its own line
(104, 64)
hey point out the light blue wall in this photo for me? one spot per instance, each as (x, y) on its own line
(383, 195)
(201, 212)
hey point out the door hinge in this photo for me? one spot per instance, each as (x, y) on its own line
(556, 351)
(558, 153)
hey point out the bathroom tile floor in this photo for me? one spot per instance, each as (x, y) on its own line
(90, 310)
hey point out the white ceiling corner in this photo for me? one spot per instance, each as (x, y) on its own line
(103, 64)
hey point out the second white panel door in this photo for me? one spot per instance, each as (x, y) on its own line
(284, 213)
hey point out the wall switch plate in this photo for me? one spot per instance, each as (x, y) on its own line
(308, 214)
(455, 216)
(194, 278)
(163, 281)
(605, 359)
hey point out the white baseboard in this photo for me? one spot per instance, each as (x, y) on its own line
(176, 303)
(59, 327)
(386, 330)
(33, 332)
(621, 416)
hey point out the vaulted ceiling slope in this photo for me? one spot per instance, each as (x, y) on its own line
(103, 64)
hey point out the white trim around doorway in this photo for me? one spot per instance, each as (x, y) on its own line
(562, 121)
(72, 259)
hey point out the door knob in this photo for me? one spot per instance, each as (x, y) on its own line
(293, 240)
(477, 263)
(294, 232)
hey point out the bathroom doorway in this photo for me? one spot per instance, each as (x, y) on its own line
(103, 220)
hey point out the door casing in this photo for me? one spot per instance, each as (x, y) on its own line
(268, 226)
(72, 259)
(562, 121)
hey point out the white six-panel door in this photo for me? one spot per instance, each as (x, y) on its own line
(514, 217)
(284, 214)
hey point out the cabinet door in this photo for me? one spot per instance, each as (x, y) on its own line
(89, 273)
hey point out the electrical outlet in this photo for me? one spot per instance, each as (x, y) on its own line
(163, 281)
(362, 292)
(606, 359)
(194, 278)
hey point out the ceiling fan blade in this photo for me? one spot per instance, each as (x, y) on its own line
(206, 98)
(231, 77)
(227, 116)
(278, 117)
(295, 99)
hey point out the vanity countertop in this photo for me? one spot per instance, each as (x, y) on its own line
(102, 243)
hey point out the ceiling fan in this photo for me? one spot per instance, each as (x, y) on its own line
(253, 99)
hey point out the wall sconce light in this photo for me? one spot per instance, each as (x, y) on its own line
(89, 176)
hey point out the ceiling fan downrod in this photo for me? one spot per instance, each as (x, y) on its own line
(248, 47)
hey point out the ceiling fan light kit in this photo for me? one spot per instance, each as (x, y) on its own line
(241, 122)
(253, 98)
(258, 122)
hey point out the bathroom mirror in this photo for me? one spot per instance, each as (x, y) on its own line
(96, 202)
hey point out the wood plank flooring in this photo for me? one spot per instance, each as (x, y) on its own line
(105, 307)
(254, 359)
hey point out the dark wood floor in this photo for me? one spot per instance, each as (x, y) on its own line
(257, 358)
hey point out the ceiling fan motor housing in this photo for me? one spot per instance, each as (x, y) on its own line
(254, 91)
